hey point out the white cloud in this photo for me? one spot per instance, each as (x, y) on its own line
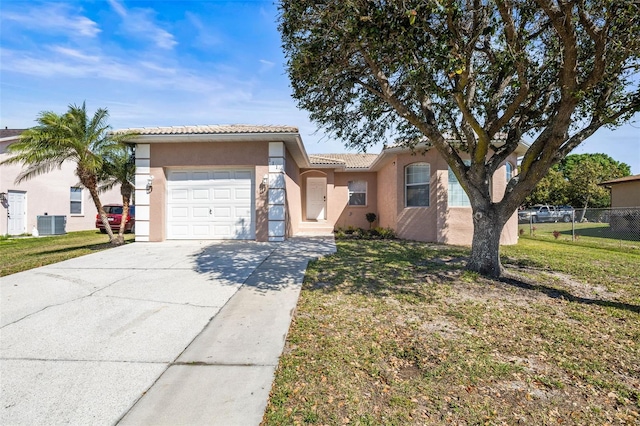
(75, 54)
(140, 23)
(119, 8)
(206, 35)
(54, 18)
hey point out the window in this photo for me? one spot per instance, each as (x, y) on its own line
(509, 169)
(75, 206)
(357, 193)
(457, 196)
(416, 184)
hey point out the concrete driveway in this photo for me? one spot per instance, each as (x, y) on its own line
(184, 332)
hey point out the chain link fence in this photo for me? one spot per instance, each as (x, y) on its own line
(618, 227)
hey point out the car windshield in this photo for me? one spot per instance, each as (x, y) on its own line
(113, 209)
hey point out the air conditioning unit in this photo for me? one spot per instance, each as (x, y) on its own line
(52, 225)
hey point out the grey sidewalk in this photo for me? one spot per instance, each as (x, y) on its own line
(158, 333)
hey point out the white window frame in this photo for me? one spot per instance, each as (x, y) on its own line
(508, 168)
(352, 186)
(408, 186)
(457, 197)
(78, 199)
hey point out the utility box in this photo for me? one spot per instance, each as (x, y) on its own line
(52, 225)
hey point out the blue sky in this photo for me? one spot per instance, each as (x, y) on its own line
(170, 63)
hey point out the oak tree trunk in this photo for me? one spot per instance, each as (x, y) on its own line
(485, 246)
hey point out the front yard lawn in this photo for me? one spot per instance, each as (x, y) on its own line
(395, 333)
(22, 253)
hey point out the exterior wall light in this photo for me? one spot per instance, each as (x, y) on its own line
(264, 184)
(150, 184)
(3, 197)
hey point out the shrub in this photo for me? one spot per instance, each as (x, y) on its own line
(371, 217)
(385, 233)
(362, 234)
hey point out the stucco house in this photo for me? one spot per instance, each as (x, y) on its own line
(259, 183)
(57, 193)
(625, 191)
(625, 203)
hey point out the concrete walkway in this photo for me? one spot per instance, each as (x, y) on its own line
(171, 333)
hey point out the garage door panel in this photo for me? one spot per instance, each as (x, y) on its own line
(243, 175)
(221, 194)
(211, 204)
(243, 193)
(222, 230)
(201, 212)
(222, 213)
(179, 176)
(202, 231)
(242, 232)
(178, 194)
(200, 176)
(243, 212)
(201, 194)
(178, 212)
(179, 230)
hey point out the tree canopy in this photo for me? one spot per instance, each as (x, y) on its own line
(575, 180)
(471, 77)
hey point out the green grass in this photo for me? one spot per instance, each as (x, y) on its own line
(396, 333)
(23, 253)
(584, 234)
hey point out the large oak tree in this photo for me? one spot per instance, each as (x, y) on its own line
(486, 72)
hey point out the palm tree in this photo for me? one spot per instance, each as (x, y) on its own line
(119, 169)
(71, 136)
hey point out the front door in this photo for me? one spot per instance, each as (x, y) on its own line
(17, 212)
(316, 198)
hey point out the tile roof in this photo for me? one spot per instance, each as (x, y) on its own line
(449, 137)
(7, 133)
(350, 161)
(210, 129)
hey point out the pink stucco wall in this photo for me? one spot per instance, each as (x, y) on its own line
(385, 192)
(438, 222)
(294, 193)
(355, 216)
(50, 193)
(420, 223)
(206, 155)
(387, 195)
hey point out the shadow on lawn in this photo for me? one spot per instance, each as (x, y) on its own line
(555, 293)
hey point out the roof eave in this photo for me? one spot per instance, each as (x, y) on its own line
(292, 141)
(327, 166)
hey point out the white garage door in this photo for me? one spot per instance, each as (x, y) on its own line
(210, 204)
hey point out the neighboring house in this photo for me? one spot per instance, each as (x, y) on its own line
(625, 203)
(257, 182)
(57, 193)
(625, 191)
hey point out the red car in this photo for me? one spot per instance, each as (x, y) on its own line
(114, 214)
